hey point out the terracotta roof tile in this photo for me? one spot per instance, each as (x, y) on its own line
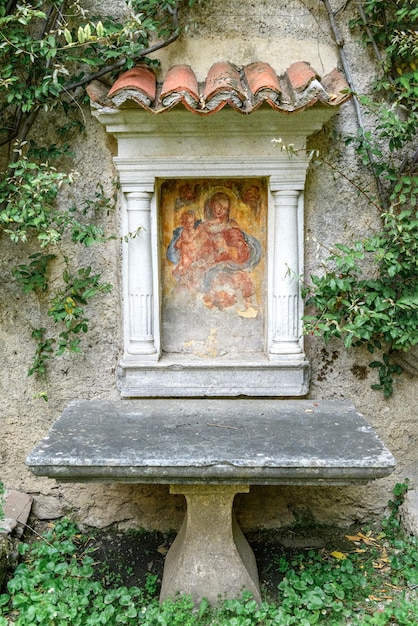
(98, 93)
(244, 89)
(138, 83)
(180, 77)
(300, 75)
(336, 86)
(263, 82)
(261, 76)
(180, 85)
(223, 84)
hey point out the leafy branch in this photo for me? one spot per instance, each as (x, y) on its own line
(50, 49)
(40, 48)
(67, 310)
(368, 293)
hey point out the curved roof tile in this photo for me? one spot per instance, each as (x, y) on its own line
(261, 76)
(180, 84)
(300, 75)
(244, 89)
(138, 83)
(263, 83)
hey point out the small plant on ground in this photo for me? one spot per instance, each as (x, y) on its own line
(54, 585)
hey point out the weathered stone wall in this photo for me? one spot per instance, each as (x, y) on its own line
(240, 31)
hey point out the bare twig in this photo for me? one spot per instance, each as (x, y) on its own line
(352, 182)
(343, 7)
(98, 74)
(10, 136)
(369, 34)
(359, 114)
(35, 533)
(10, 6)
(405, 161)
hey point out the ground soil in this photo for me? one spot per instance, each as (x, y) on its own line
(128, 557)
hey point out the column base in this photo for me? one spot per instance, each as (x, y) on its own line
(210, 557)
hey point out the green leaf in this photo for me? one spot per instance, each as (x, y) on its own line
(4, 599)
(67, 36)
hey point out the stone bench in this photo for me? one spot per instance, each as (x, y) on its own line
(210, 450)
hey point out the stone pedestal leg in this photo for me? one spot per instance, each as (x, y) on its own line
(210, 557)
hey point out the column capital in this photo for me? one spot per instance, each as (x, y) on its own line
(144, 186)
(280, 195)
(138, 193)
(138, 200)
(281, 182)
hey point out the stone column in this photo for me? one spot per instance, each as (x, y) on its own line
(210, 557)
(285, 297)
(139, 307)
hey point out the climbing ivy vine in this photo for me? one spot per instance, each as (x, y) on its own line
(368, 292)
(49, 50)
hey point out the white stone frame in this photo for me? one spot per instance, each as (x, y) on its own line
(180, 145)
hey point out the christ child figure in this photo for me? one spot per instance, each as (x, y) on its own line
(187, 243)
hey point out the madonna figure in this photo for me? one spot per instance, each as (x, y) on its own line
(223, 255)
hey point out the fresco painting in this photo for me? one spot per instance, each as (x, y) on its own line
(213, 262)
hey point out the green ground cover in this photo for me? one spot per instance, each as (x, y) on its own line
(372, 580)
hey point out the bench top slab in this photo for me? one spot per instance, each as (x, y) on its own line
(248, 441)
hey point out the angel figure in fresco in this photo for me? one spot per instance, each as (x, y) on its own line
(253, 197)
(214, 256)
(187, 195)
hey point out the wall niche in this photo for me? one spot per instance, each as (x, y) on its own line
(213, 247)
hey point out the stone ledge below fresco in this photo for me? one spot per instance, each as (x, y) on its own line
(169, 377)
